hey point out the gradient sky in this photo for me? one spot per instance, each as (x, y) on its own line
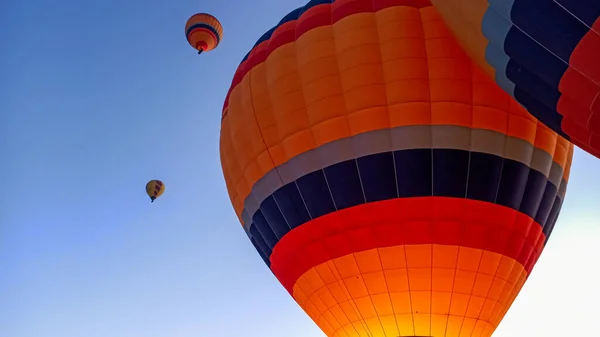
(97, 98)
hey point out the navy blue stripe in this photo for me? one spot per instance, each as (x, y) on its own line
(549, 24)
(203, 25)
(536, 74)
(405, 174)
(529, 55)
(259, 249)
(540, 50)
(587, 11)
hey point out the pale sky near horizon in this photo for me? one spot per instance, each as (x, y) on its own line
(96, 98)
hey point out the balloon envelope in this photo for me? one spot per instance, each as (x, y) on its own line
(543, 53)
(203, 32)
(391, 187)
(154, 189)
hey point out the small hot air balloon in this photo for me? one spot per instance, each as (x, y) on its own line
(543, 53)
(203, 32)
(154, 189)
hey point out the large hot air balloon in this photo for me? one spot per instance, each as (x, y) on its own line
(203, 32)
(390, 186)
(154, 189)
(543, 53)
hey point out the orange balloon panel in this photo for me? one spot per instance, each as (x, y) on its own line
(410, 290)
(391, 187)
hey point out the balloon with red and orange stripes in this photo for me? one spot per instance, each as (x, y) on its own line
(543, 53)
(203, 32)
(390, 186)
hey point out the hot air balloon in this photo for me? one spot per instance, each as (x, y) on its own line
(154, 189)
(543, 53)
(391, 187)
(203, 32)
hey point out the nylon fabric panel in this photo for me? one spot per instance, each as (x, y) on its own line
(441, 267)
(543, 53)
(411, 290)
(362, 127)
(285, 102)
(338, 154)
(426, 220)
(409, 174)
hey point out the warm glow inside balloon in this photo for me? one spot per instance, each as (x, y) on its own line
(546, 54)
(154, 189)
(391, 187)
(203, 32)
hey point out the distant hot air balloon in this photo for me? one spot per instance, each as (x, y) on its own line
(390, 186)
(154, 189)
(543, 53)
(203, 32)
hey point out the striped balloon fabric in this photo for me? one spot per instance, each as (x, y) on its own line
(544, 53)
(387, 182)
(203, 32)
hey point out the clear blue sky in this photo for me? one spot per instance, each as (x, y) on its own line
(96, 98)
